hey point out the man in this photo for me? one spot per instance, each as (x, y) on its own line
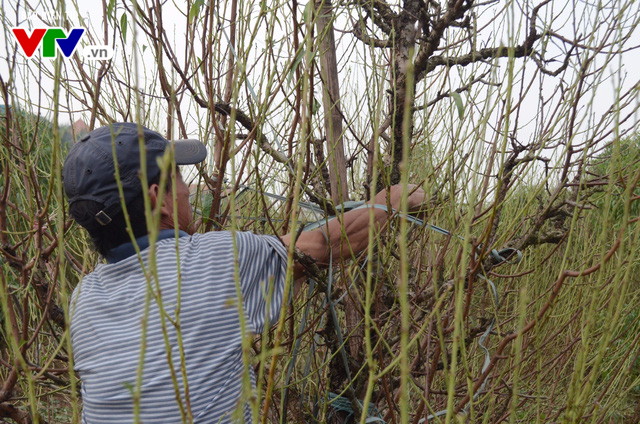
(157, 331)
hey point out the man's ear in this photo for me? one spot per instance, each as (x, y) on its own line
(154, 197)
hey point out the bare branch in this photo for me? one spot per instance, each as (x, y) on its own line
(371, 41)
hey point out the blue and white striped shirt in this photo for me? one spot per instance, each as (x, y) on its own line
(108, 316)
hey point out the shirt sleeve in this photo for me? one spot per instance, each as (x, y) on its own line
(262, 264)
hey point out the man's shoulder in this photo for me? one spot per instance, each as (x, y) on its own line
(240, 237)
(245, 242)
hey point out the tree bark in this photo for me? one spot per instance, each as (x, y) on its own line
(331, 102)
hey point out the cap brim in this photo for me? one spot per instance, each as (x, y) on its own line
(189, 152)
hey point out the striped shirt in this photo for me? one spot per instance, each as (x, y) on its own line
(108, 316)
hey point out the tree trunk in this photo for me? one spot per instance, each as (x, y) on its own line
(331, 101)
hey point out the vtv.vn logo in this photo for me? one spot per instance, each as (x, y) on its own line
(49, 37)
(67, 43)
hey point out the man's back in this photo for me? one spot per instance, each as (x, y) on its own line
(108, 312)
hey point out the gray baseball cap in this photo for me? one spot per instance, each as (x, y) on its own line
(89, 169)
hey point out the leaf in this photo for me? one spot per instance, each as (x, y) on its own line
(110, 7)
(278, 20)
(129, 387)
(144, 47)
(123, 26)
(307, 15)
(458, 101)
(195, 8)
(316, 106)
(295, 65)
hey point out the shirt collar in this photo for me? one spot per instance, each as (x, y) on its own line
(128, 249)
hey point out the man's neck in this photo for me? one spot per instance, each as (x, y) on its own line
(128, 249)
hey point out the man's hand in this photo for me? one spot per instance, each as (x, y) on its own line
(338, 239)
(416, 197)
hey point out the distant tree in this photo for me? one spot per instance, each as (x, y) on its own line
(613, 170)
